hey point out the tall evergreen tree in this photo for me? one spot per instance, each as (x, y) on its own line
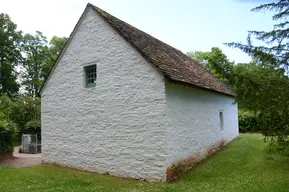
(275, 52)
(265, 84)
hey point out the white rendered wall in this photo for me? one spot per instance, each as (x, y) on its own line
(194, 124)
(117, 127)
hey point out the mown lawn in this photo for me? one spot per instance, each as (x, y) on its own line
(243, 165)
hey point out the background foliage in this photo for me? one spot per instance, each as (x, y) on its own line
(25, 63)
(24, 111)
(262, 84)
(7, 131)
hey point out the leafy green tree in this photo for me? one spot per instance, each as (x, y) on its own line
(200, 56)
(10, 54)
(40, 57)
(36, 53)
(56, 45)
(8, 130)
(24, 111)
(216, 62)
(221, 67)
(252, 82)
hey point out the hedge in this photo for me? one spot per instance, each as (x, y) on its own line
(7, 130)
(6, 142)
(248, 122)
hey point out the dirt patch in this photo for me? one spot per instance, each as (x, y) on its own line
(20, 159)
(6, 155)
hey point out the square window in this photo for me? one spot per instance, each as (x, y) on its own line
(90, 76)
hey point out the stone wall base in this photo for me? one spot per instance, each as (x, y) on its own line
(176, 170)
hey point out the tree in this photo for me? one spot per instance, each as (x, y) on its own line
(275, 52)
(252, 82)
(36, 53)
(200, 56)
(10, 54)
(7, 132)
(55, 48)
(216, 62)
(265, 84)
(40, 57)
(23, 111)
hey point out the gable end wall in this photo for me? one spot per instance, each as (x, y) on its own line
(116, 127)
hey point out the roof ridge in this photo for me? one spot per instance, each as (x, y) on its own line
(172, 63)
(97, 8)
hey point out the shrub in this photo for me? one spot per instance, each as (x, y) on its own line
(248, 121)
(277, 147)
(32, 127)
(5, 142)
(24, 111)
(7, 131)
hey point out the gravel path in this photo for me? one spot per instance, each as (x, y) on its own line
(21, 159)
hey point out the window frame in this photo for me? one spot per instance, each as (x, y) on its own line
(221, 120)
(90, 74)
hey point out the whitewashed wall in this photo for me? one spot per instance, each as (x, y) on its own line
(131, 124)
(194, 123)
(117, 127)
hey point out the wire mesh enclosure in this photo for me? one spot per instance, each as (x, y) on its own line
(29, 143)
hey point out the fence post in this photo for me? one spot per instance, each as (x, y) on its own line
(22, 142)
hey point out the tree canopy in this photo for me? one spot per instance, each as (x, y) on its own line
(275, 51)
(266, 79)
(262, 84)
(25, 62)
(10, 54)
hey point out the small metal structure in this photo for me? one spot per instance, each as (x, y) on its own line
(29, 143)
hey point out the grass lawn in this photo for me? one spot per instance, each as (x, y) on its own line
(243, 165)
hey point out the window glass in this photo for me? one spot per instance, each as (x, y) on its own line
(90, 76)
(221, 115)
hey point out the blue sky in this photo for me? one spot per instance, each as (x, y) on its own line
(187, 25)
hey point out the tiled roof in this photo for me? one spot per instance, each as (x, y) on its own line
(173, 64)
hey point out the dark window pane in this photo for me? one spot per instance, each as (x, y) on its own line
(90, 75)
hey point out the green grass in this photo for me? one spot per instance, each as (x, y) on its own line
(243, 165)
